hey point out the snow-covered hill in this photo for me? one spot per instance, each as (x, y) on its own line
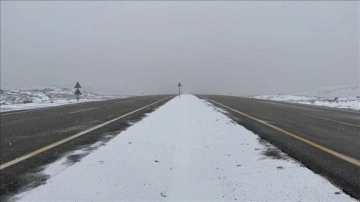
(343, 91)
(344, 103)
(42, 95)
(345, 97)
(35, 98)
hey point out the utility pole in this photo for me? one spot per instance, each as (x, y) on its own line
(77, 92)
(179, 85)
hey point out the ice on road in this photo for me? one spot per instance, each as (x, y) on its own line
(185, 150)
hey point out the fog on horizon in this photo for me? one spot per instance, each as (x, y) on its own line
(242, 48)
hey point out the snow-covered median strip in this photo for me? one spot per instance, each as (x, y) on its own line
(352, 103)
(185, 150)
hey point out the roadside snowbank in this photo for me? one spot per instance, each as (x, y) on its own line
(185, 150)
(48, 97)
(352, 103)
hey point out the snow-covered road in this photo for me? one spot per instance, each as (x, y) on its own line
(185, 150)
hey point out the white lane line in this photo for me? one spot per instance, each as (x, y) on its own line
(1, 114)
(36, 152)
(83, 110)
(27, 110)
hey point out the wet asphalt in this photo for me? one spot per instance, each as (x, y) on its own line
(25, 131)
(336, 129)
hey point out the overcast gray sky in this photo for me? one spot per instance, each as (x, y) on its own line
(211, 47)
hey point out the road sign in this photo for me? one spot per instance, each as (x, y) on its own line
(77, 92)
(77, 85)
(179, 85)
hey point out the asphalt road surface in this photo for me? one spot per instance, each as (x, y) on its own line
(323, 139)
(32, 138)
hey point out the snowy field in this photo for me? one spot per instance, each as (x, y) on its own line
(350, 90)
(343, 97)
(186, 150)
(12, 100)
(352, 103)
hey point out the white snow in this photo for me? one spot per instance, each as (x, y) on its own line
(36, 105)
(185, 150)
(344, 97)
(352, 103)
(350, 90)
(13, 100)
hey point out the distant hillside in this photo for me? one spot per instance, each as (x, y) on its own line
(352, 90)
(45, 95)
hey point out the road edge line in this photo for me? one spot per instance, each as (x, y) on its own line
(293, 135)
(60, 142)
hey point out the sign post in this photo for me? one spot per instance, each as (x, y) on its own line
(77, 92)
(179, 85)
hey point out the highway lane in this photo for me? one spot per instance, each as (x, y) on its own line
(23, 132)
(317, 130)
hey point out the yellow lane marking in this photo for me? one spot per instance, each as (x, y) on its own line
(36, 152)
(318, 117)
(83, 110)
(348, 159)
